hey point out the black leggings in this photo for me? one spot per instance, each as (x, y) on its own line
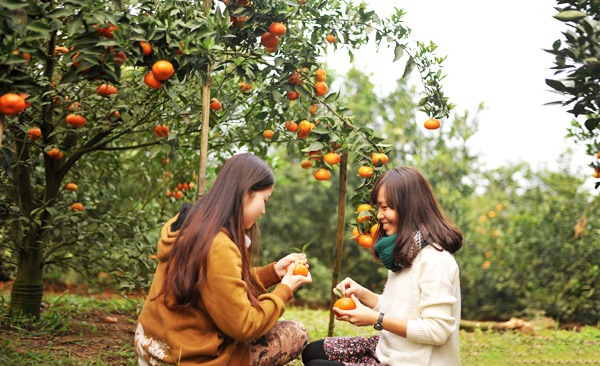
(314, 355)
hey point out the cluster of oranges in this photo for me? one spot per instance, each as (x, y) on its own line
(179, 190)
(72, 187)
(364, 233)
(161, 71)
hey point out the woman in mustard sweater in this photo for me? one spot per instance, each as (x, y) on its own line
(206, 305)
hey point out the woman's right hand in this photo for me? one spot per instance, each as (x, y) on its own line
(350, 287)
(295, 281)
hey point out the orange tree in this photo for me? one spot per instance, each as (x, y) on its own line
(88, 81)
(577, 66)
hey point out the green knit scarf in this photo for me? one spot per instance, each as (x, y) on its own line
(385, 251)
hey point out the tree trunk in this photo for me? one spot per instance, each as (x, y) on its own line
(339, 239)
(205, 122)
(28, 288)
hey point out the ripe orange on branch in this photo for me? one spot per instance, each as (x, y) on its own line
(330, 38)
(291, 126)
(71, 187)
(268, 134)
(292, 95)
(332, 158)
(320, 88)
(12, 104)
(107, 31)
(277, 29)
(322, 174)
(320, 75)
(379, 159)
(432, 124)
(75, 120)
(269, 40)
(163, 70)
(106, 90)
(146, 48)
(161, 131)
(365, 171)
(34, 133)
(55, 153)
(77, 206)
(151, 81)
(215, 105)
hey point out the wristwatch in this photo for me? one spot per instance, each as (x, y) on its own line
(379, 325)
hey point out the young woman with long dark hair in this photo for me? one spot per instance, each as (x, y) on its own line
(207, 305)
(418, 313)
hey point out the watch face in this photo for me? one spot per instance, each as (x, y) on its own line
(378, 326)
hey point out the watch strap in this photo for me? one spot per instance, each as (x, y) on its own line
(379, 324)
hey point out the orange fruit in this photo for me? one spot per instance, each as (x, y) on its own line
(373, 230)
(75, 120)
(34, 133)
(151, 81)
(277, 29)
(330, 38)
(344, 303)
(245, 87)
(268, 134)
(295, 78)
(303, 134)
(364, 207)
(107, 31)
(76, 206)
(178, 194)
(596, 173)
(379, 159)
(75, 107)
(12, 104)
(71, 187)
(161, 131)
(291, 126)
(269, 40)
(432, 124)
(215, 105)
(55, 153)
(119, 58)
(106, 89)
(306, 164)
(322, 174)
(292, 95)
(60, 49)
(305, 126)
(320, 88)
(316, 154)
(146, 48)
(365, 171)
(163, 70)
(355, 233)
(313, 109)
(320, 75)
(300, 269)
(365, 241)
(332, 158)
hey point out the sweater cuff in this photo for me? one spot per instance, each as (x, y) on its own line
(267, 275)
(284, 292)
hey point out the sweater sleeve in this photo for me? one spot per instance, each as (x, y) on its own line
(266, 276)
(224, 295)
(437, 277)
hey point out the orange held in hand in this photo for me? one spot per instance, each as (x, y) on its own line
(345, 303)
(300, 269)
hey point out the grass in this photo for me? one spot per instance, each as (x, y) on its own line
(73, 331)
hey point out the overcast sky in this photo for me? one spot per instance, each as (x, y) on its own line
(495, 55)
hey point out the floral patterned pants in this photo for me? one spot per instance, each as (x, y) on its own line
(280, 345)
(352, 351)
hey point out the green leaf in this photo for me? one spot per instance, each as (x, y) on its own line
(38, 27)
(398, 52)
(13, 4)
(592, 123)
(410, 65)
(570, 15)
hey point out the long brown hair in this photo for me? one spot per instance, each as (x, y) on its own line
(408, 193)
(221, 207)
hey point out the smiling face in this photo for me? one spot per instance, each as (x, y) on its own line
(254, 206)
(387, 217)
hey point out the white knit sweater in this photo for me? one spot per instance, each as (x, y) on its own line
(428, 296)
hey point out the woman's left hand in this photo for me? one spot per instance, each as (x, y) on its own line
(361, 316)
(282, 264)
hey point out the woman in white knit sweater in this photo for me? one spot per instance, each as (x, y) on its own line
(418, 313)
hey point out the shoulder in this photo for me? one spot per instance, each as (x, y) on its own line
(223, 242)
(431, 257)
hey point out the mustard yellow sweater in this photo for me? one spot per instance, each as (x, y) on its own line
(207, 334)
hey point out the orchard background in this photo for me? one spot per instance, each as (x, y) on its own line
(98, 153)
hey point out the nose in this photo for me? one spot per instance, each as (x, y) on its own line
(379, 215)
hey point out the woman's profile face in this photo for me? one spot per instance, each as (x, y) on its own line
(387, 217)
(254, 206)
